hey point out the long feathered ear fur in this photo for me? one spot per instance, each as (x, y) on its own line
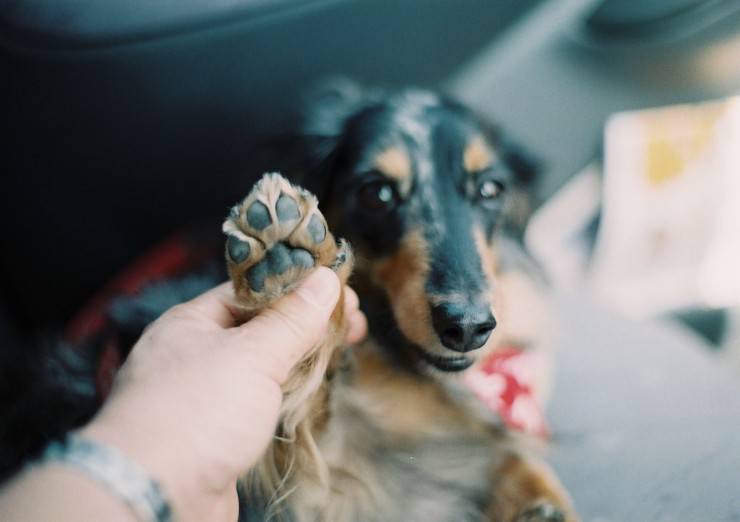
(306, 155)
(525, 169)
(522, 203)
(327, 108)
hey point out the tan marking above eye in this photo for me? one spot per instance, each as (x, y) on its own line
(394, 163)
(477, 156)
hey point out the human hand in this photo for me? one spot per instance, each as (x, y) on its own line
(197, 401)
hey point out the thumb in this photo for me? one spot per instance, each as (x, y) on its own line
(280, 335)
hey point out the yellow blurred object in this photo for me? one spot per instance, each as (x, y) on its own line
(668, 151)
(670, 228)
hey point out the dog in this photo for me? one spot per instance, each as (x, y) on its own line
(431, 200)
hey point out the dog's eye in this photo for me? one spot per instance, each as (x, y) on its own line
(377, 196)
(490, 189)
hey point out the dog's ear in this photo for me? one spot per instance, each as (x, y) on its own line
(329, 104)
(306, 155)
(521, 202)
(524, 166)
(327, 107)
(525, 169)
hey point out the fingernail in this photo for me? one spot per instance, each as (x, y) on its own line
(320, 288)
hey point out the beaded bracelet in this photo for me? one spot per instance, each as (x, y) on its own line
(114, 470)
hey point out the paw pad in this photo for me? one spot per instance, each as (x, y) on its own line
(238, 250)
(302, 258)
(316, 228)
(256, 276)
(287, 209)
(258, 216)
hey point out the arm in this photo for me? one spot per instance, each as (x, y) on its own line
(195, 405)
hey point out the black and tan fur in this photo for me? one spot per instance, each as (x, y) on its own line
(425, 194)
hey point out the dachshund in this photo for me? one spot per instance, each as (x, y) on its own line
(432, 200)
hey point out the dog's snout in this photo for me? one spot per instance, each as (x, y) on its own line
(463, 328)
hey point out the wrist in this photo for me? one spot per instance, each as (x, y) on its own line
(20, 497)
(159, 465)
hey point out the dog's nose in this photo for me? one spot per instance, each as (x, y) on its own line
(463, 327)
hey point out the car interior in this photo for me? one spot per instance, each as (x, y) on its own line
(130, 122)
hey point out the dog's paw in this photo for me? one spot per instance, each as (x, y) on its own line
(543, 512)
(275, 237)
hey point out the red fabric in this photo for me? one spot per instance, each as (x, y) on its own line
(181, 253)
(164, 261)
(499, 382)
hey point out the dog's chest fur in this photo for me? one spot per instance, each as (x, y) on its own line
(398, 448)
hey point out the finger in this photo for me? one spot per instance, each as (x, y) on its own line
(351, 301)
(357, 327)
(217, 304)
(279, 336)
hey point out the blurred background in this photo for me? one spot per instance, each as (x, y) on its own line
(127, 122)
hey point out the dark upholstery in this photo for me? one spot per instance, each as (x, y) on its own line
(129, 119)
